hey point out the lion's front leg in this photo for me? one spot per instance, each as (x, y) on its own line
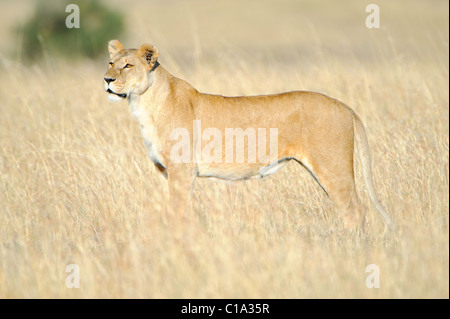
(181, 178)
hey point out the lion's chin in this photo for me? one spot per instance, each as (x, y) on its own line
(115, 98)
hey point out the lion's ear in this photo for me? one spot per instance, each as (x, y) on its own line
(114, 47)
(149, 53)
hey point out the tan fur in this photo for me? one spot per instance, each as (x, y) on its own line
(313, 129)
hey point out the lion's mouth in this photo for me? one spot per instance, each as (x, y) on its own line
(122, 95)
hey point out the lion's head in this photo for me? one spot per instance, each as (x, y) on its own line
(128, 70)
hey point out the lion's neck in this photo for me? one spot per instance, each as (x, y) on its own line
(146, 108)
(146, 105)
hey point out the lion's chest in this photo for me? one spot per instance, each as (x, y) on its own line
(151, 138)
(151, 143)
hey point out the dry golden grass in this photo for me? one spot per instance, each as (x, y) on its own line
(76, 186)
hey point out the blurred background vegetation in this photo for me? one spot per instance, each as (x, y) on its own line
(45, 31)
(201, 31)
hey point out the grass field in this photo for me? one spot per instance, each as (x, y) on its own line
(76, 186)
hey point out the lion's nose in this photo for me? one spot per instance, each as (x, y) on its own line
(109, 80)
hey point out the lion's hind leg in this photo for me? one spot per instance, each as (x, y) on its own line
(339, 184)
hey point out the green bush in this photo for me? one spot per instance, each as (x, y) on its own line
(46, 31)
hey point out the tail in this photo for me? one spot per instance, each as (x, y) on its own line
(364, 155)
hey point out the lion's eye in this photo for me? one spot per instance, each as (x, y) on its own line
(111, 64)
(128, 66)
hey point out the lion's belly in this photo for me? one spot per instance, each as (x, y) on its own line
(234, 172)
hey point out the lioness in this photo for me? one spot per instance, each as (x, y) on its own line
(313, 129)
